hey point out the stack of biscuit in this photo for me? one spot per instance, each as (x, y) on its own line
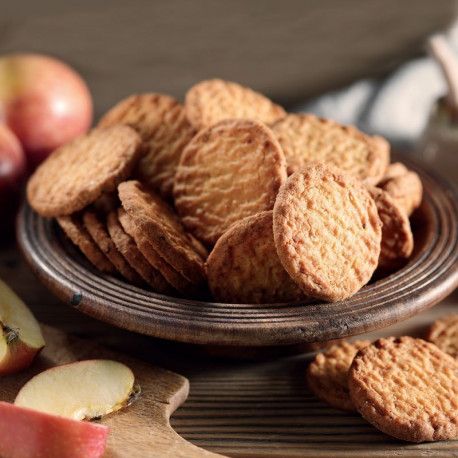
(290, 207)
(406, 387)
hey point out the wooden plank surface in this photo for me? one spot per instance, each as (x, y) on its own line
(240, 408)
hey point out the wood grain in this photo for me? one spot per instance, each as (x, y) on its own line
(430, 275)
(143, 429)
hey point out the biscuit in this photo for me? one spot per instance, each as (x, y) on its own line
(307, 138)
(165, 131)
(327, 374)
(127, 247)
(407, 388)
(98, 231)
(327, 232)
(227, 172)
(395, 169)
(397, 238)
(148, 249)
(211, 101)
(444, 334)
(78, 173)
(406, 190)
(77, 233)
(244, 267)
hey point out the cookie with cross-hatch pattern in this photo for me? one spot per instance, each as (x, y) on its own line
(78, 173)
(229, 171)
(407, 388)
(211, 101)
(327, 232)
(165, 131)
(444, 334)
(307, 138)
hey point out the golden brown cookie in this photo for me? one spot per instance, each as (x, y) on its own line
(98, 231)
(211, 101)
(127, 247)
(395, 169)
(327, 374)
(407, 388)
(444, 334)
(162, 227)
(327, 232)
(397, 238)
(227, 172)
(77, 233)
(406, 190)
(162, 124)
(78, 173)
(307, 138)
(243, 267)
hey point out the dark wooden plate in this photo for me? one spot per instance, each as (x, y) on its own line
(430, 275)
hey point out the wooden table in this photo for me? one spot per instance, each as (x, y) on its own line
(240, 408)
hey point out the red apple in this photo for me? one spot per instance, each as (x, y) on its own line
(44, 101)
(26, 433)
(12, 171)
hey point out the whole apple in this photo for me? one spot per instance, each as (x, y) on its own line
(12, 172)
(43, 101)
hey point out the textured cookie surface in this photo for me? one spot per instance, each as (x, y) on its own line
(127, 247)
(327, 374)
(76, 174)
(395, 169)
(165, 131)
(244, 267)
(172, 276)
(156, 221)
(306, 138)
(327, 232)
(397, 238)
(99, 233)
(211, 101)
(227, 172)
(444, 334)
(406, 190)
(77, 233)
(407, 388)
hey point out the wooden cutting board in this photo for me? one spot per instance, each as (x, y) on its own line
(143, 429)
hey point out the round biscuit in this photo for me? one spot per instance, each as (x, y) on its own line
(406, 388)
(127, 247)
(327, 374)
(243, 267)
(395, 169)
(211, 101)
(78, 173)
(406, 190)
(99, 233)
(165, 131)
(173, 277)
(77, 233)
(227, 172)
(307, 138)
(397, 238)
(444, 334)
(327, 232)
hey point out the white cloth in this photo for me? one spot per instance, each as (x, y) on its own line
(397, 108)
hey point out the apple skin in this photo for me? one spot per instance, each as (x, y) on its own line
(26, 433)
(19, 357)
(44, 102)
(12, 174)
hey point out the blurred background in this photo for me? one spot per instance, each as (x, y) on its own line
(291, 50)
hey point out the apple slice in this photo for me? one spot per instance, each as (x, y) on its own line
(20, 335)
(26, 433)
(81, 390)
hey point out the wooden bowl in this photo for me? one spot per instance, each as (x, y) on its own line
(431, 274)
